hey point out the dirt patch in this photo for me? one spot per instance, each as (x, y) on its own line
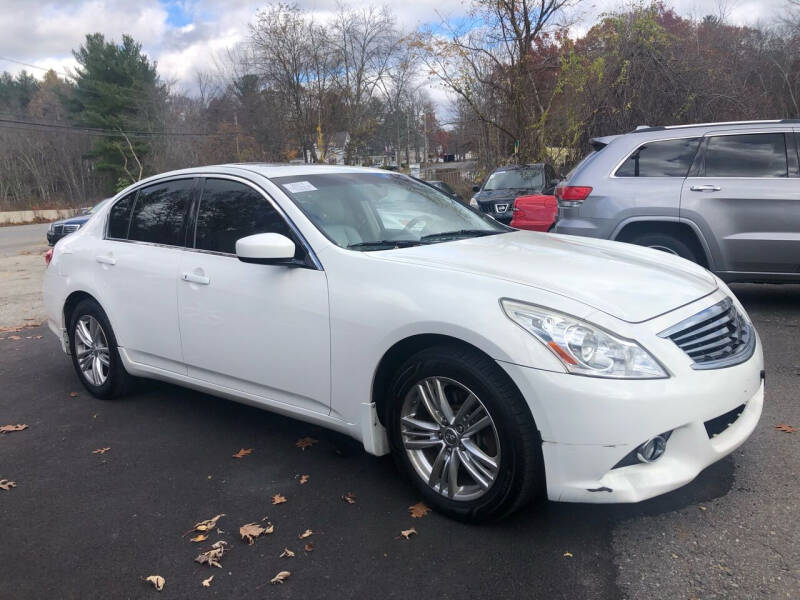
(21, 288)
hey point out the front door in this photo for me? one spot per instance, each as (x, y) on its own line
(258, 329)
(744, 194)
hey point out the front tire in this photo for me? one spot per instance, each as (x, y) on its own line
(95, 356)
(463, 434)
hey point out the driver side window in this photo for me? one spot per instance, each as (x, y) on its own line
(229, 211)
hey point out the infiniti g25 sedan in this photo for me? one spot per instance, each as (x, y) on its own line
(494, 364)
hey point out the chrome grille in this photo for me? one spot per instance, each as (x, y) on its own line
(716, 337)
(71, 228)
(58, 229)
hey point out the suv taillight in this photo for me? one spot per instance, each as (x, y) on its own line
(572, 195)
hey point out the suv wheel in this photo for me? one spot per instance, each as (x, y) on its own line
(666, 243)
(461, 431)
(94, 352)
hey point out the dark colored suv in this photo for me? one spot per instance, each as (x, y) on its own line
(496, 196)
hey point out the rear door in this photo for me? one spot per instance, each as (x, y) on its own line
(137, 267)
(744, 194)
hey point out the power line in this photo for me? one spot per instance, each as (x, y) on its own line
(21, 124)
(19, 62)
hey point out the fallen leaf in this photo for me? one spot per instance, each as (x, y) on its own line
(6, 485)
(214, 555)
(243, 452)
(206, 525)
(407, 533)
(305, 442)
(250, 532)
(157, 581)
(702, 507)
(568, 554)
(280, 577)
(73, 394)
(309, 547)
(419, 510)
(9, 428)
(287, 553)
(785, 428)
(674, 555)
(349, 497)
(303, 479)
(306, 533)
(207, 582)
(278, 499)
(199, 538)
(14, 337)
(101, 450)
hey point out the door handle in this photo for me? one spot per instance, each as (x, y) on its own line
(705, 188)
(106, 260)
(195, 278)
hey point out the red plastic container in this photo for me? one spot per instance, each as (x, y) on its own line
(535, 213)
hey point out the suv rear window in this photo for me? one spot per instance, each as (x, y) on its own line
(665, 158)
(750, 155)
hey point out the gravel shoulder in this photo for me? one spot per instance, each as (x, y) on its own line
(22, 267)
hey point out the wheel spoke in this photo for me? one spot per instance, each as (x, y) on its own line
(479, 454)
(103, 357)
(93, 327)
(83, 334)
(452, 474)
(473, 471)
(428, 401)
(482, 423)
(437, 470)
(464, 409)
(422, 427)
(97, 371)
(85, 362)
(443, 402)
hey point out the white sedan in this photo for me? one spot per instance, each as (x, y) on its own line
(494, 364)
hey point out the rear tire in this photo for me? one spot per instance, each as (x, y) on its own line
(667, 243)
(95, 355)
(498, 465)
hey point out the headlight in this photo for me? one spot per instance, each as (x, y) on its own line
(473, 202)
(583, 348)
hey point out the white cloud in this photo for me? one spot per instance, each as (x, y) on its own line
(45, 32)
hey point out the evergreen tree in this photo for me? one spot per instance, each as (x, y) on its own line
(117, 88)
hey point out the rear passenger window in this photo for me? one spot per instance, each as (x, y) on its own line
(159, 213)
(667, 158)
(751, 155)
(119, 217)
(229, 211)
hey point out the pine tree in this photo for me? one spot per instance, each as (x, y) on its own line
(117, 88)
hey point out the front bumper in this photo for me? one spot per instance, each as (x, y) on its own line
(588, 425)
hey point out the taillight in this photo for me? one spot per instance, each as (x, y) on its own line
(572, 195)
(48, 256)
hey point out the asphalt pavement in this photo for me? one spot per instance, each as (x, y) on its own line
(85, 524)
(16, 238)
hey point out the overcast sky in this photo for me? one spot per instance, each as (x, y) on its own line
(185, 35)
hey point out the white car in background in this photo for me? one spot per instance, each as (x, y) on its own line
(495, 364)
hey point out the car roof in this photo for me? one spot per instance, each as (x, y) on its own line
(724, 124)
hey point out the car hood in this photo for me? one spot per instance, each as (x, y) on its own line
(628, 282)
(74, 220)
(486, 195)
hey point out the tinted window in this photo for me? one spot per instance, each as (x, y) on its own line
(229, 211)
(160, 211)
(753, 155)
(667, 158)
(527, 178)
(119, 218)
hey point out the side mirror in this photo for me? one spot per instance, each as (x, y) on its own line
(265, 249)
(476, 188)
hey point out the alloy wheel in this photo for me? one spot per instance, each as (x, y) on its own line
(450, 438)
(91, 350)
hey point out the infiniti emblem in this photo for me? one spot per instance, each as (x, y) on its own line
(450, 437)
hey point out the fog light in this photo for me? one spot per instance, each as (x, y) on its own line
(652, 449)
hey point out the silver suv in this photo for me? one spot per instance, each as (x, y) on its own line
(724, 195)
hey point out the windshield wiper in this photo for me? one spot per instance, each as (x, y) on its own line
(383, 244)
(457, 233)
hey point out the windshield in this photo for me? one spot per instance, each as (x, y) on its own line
(98, 206)
(528, 178)
(379, 211)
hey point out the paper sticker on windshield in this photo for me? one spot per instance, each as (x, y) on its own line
(299, 186)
